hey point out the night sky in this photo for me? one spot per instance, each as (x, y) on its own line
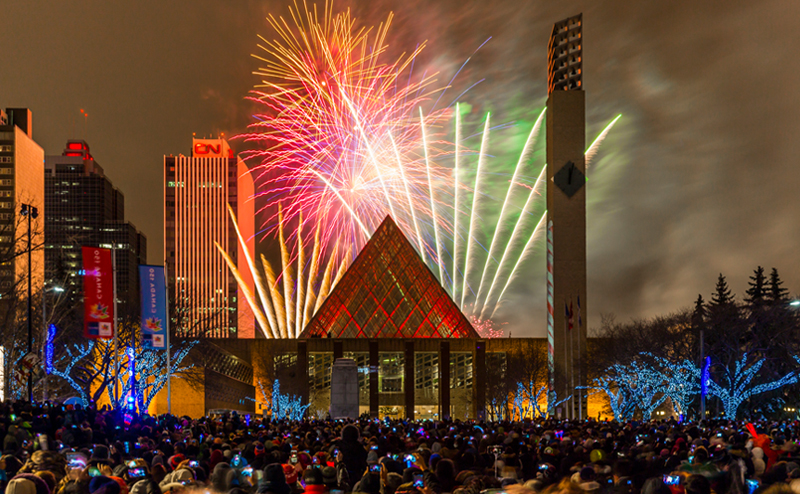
(699, 177)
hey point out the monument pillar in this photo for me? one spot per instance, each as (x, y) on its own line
(566, 215)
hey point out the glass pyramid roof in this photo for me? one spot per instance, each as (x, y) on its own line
(389, 292)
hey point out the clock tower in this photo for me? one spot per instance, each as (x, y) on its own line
(566, 216)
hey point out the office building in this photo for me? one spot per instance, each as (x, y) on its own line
(21, 186)
(198, 190)
(83, 208)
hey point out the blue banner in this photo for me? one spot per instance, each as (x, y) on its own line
(154, 307)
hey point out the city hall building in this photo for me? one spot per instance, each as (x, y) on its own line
(417, 354)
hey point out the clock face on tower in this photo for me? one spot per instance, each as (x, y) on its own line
(569, 179)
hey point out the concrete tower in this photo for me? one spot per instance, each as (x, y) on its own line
(566, 214)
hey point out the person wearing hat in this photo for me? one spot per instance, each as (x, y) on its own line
(21, 486)
(314, 480)
(352, 453)
(274, 481)
(183, 475)
(103, 485)
(329, 478)
(291, 474)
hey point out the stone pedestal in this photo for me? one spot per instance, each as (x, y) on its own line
(344, 389)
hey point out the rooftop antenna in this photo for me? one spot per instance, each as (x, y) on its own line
(85, 122)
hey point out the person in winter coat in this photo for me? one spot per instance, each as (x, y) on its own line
(274, 481)
(352, 452)
(219, 480)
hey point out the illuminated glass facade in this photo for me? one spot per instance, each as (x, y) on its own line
(389, 292)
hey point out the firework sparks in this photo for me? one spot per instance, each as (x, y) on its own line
(341, 142)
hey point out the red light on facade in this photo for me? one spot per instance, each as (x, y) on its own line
(75, 145)
(73, 154)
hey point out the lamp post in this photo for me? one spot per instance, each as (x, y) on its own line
(45, 333)
(31, 212)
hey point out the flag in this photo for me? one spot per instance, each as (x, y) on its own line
(580, 321)
(154, 307)
(98, 293)
(569, 316)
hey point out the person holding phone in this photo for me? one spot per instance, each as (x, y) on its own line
(353, 453)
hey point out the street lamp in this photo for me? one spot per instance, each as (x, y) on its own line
(795, 303)
(32, 213)
(46, 338)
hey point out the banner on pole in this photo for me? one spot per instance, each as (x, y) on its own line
(154, 307)
(98, 293)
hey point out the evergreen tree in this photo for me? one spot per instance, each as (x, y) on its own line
(723, 303)
(699, 312)
(726, 331)
(776, 294)
(756, 292)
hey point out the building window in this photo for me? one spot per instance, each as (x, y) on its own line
(6, 148)
(6, 182)
(390, 374)
(6, 159)
(6, 171)
(319, 371)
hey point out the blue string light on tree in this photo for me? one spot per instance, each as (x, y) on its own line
(48, 349)
(286, 406)
(74, 355)
(735, 386)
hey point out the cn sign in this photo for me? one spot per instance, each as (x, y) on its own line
(204, 148)
(211, 148)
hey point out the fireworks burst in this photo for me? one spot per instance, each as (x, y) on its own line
(342, 141)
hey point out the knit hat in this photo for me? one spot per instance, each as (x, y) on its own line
(103, 485)
(21, 486)
(176, 460)
(39, 484)
(329, 476)
(313, 476)
(122, 485)
(289, 473)
(372, 457)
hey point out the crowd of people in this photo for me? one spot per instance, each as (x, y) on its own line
(53, 449)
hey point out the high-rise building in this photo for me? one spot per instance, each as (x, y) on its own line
(198, 190)
(21, 186)
(84, 208)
